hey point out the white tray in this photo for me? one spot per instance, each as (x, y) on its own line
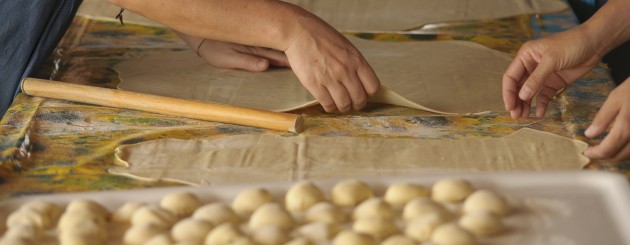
(583, 207)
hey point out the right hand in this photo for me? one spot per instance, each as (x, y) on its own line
(330, 67)
(545, 66)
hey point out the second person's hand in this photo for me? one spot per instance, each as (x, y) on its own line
(543, 67)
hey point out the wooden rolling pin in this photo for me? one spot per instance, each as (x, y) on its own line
(162, 105)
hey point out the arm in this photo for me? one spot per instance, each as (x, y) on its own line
(544, 66)
(326, 63)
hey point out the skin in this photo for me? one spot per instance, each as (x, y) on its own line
(324, 61)
(235, 56)
(545, 66)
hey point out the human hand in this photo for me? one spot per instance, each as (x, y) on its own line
(235, 56)
(616, 145)
(330, 67)
(543, 67)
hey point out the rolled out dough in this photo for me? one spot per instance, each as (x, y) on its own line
(399, 15)
(444, 77)
(379, 15)
(253, 158)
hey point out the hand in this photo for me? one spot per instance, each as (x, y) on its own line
(330, 67)
(616, 145)
(238, 56)
(543, 67)
(235, 56)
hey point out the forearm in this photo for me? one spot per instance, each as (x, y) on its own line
(264, 23)
(610, 26)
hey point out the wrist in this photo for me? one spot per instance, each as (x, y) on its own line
(610, 26)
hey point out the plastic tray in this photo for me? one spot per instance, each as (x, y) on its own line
(583, 207)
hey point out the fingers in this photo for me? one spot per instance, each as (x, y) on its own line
(322, 95)
(357, 93)
(237, 60)
(612, 145)
(275, 57)
(369, 80)
(340, 96)
(604, 117)
(542, 100)
(537, 79)
(510, 83)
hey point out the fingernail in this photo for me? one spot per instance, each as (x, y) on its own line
(525, 93)
(589, 131)
(262, 64)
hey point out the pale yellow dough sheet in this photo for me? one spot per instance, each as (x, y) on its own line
(439, 76)
(399, 15)
(254, 158)
(379, 15)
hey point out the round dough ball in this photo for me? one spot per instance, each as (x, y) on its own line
(77, 218)
(87, 205)
(319, 232)
(452, 234)
(88, 227)
(191, 230)
(23, 232)
(142, 233)
(242, 240)
(350, 193)
(69, 238)
(28, 217)
(83, 231)
(124, 213)
(302, 196)
(249, 200)
(223, 234)
(353, 238)
(271, 214)
(398, 240)
(482, 223)
(217, 213)
(299, 241)
(374, 208)
(451, 190)
(485, 200)
(181, 204)
(270, 235)
(325, 212)
(422, 205)
(421, 227)
(153, 215)
(160, 239)
(53, 211)
(379, 228)
(17, 241)
(400, 194)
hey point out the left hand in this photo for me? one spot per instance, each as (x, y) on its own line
(616, 145)
(235, 56)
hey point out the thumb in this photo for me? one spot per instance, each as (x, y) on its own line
(537, 79)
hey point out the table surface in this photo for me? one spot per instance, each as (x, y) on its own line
(52, 146)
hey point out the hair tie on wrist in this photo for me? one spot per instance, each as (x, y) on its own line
(119, 16)
(199, 46)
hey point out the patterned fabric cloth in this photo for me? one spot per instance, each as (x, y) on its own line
(29, 32)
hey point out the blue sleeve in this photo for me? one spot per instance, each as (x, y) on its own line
(29, 32)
